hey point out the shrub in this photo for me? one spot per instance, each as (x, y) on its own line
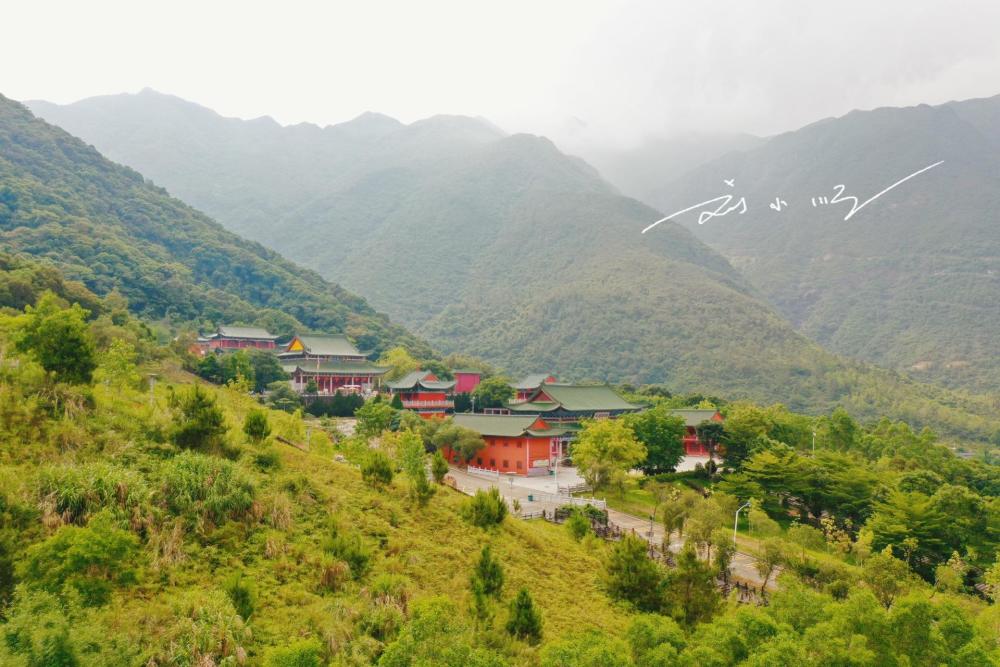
(524, 622)
(392, 587)
(377, 469)
(304, 653)
(353, 551)
(91, 560)
(578, 525)
(382, 620)
(74, 493)
(333, 574)
(439, 467)
(267, 459)
(201, 423)
(243, 594)
(256, 426)
(485, 509)
(206, 488)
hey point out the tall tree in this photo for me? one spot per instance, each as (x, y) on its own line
(59, 339)
(663, 435)
(604, 448)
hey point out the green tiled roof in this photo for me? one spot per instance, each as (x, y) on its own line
(540, 406)
(530, 381)
(694, 417)
(246, 332)
(579, 398)
(413, 378)
(331, 345)
(507, 426)
(340, 367)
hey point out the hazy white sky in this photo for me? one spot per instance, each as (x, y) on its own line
(598, 71)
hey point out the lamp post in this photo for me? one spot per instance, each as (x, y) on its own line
(736, 523)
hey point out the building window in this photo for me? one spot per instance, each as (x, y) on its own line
(518, 465)
(506, 444)
(493, 463)
(506, 464)
(479, 461)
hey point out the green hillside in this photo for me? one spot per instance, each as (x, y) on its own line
(912, 281)
(159, 528)
(499, 246)
(104, 225)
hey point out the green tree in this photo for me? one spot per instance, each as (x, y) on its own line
(630, 575)
(439, 467)
(710, 433)
(281, 396)
(493, 392)
(396, 402)
(603, 448)
(886, 576)
(689, 593)
(92, 560)
(400, 361)
(662, 433)
(377, 469)
(374, 417)
(463, 441)
(60, 340)
(256, 426)
(524, 621)
(265, 369)
(201, 424)
(487, 575)
(117, 365)
(237, 365)
(772, 555)
(435, 635)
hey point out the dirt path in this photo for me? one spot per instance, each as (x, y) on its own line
(743, 567)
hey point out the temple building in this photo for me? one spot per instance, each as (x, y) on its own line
(692, 418)
(527, 385)
(422, 392)
(238, 338)
(332, 362)
(515, 444)
(567, 403)
(466, 379)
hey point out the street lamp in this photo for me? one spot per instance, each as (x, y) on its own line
(737, 521)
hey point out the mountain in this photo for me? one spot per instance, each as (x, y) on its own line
(642, 170)
(911, 281)
(499, 246)
(105, 225)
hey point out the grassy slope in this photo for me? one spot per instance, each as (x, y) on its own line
(290, 604)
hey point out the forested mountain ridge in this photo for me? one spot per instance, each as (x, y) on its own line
(503, 247)
(104, 225)
(912, 281)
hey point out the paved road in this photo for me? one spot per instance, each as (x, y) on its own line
(743, 567)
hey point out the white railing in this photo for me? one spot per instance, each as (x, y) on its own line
(570, 500)
(428, 404)
(483, 472)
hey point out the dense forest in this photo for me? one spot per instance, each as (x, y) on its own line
(176, 525)
(104, 225)
(910, 282)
